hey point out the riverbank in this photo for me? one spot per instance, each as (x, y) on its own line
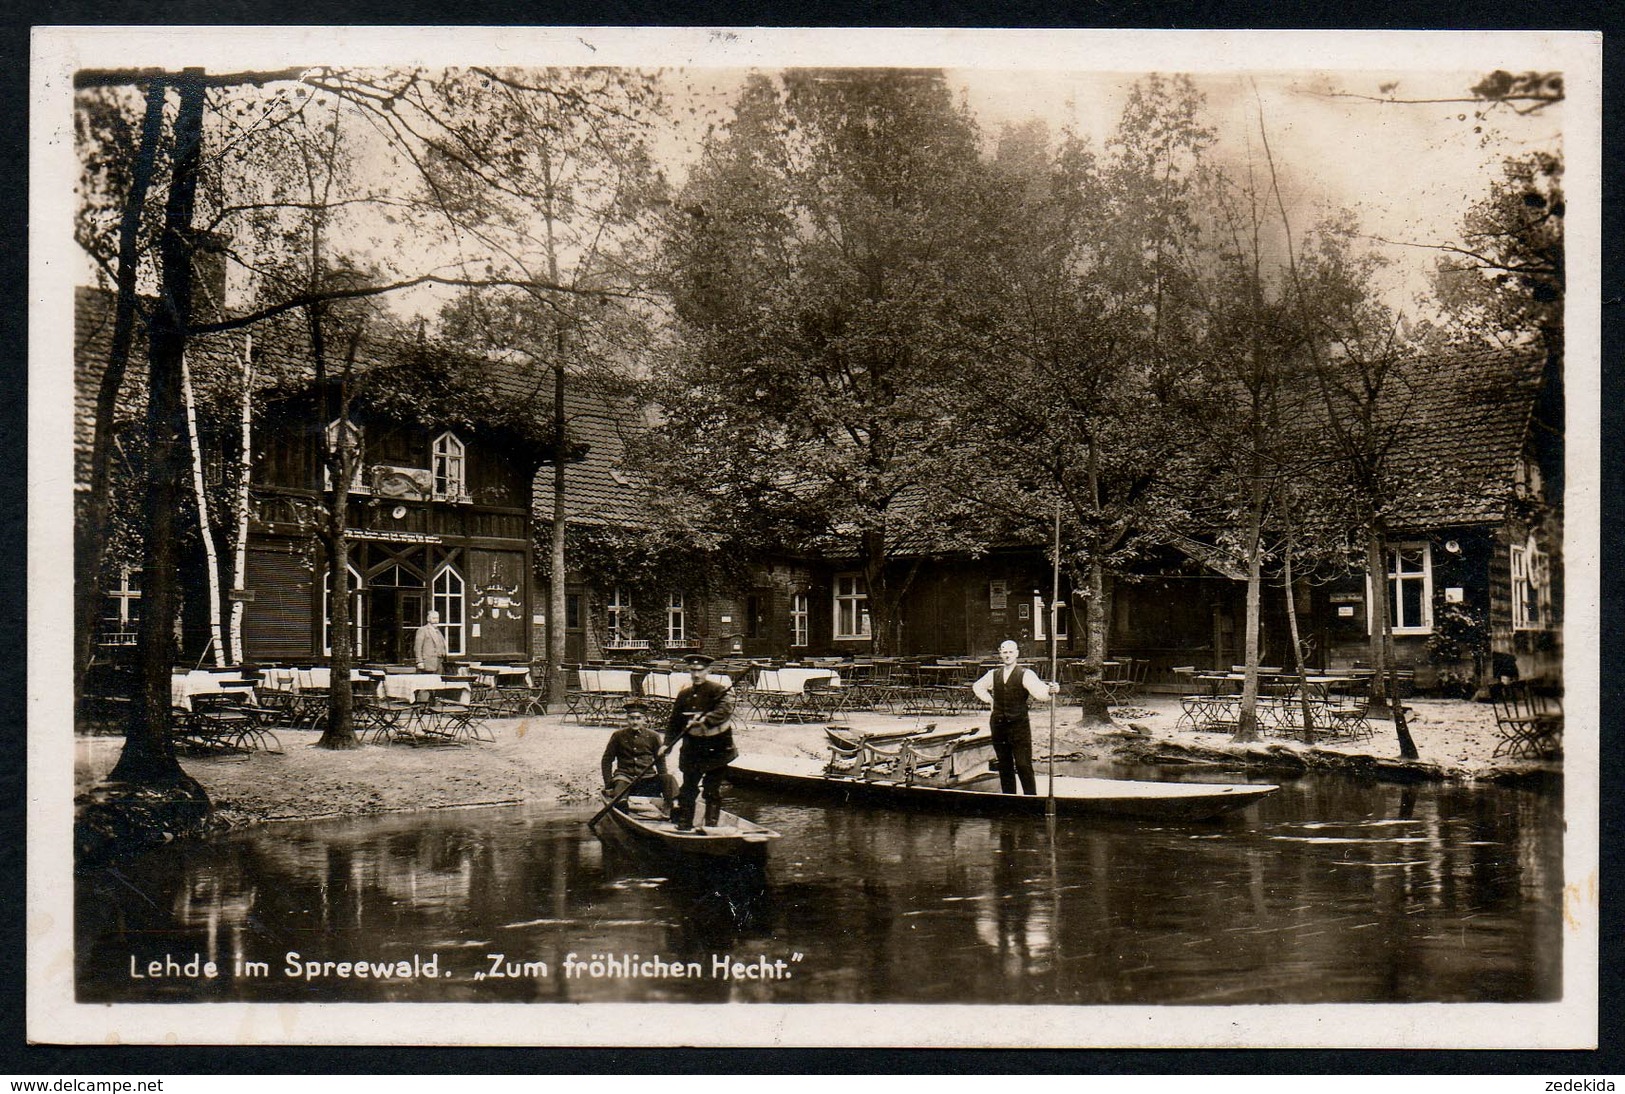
(546, 759)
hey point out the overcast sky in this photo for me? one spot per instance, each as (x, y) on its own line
(1408, 170)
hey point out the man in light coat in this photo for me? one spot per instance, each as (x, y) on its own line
(429, 645)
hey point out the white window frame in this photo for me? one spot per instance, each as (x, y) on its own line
(358, 611)
(800, 617)
(358, 483)
(676, 628)
(123, 615)
(448, 461)
(1390, 579)
(1063, 624)
(1531, 572)
(451, 604)
(616, 609)
(1040, 618)
(852, 594)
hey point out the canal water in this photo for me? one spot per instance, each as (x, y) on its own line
(1330, 891)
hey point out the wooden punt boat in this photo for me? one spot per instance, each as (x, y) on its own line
(646, 826)
(980, 794)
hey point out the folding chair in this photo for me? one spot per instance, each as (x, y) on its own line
(1529, 726)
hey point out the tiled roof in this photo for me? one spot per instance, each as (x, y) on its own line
(1466, 427)
(1466, 421)
(600, 489)
(281, 346)
(92, 339)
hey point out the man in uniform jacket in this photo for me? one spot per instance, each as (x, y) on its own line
(633, 753)
(705, 709)
(1006, 689)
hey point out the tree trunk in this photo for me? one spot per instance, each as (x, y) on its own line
(1091, 696)
(885, 603)
(91, 549)
(149, 752)
(561, 450)
(211, 569)
(239, 563)
(1384, 689)
(1247, 715)
(1376, 568)
(1306, 708)
(1096, 619)
(339, 733)
(555, 590)
(342, 454)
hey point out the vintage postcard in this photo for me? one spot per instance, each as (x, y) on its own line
(651, 537)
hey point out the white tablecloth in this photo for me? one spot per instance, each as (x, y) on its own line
(796, 679)
(201, 682)
(507, 676)
(406, 685)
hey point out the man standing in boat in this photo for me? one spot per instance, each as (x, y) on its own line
(633, 751)
(1006, 689)
(702, 717)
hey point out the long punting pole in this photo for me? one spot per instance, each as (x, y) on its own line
(1054, 617)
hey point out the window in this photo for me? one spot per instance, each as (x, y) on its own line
(448, 601)
(798, 619)
(1041, 618)
(618, 616)
(1410, 588)
(121, 617)
(447, 462)
(352, 442)
(753, 616)
(1531, 588)
(1063, 631)
(358, 620)
(851, 607)
(572, 611)
(675, 632)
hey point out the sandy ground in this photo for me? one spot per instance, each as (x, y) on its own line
(545, 758)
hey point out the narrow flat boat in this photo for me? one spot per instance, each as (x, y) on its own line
(979, 793)
(645, 824)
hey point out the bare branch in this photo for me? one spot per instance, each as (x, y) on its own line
(306, 299)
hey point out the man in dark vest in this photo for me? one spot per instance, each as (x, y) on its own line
(705, 709)
(1006, 689)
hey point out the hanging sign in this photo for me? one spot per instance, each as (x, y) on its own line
(384, 536)
(997, 596)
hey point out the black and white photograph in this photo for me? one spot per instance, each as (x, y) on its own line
(934, 538)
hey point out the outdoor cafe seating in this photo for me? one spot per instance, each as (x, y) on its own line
(1528, 721)
(507, 690)
(797, 694)
(218, 711)
(1337, 705)
(598, 699)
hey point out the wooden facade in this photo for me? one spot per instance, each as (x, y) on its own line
(457, 541)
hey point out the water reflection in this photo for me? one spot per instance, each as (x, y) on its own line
(1329, 891)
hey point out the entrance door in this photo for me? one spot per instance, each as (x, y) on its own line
(409, 612)
(575, 629)
(382, 643)
(396, 614)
